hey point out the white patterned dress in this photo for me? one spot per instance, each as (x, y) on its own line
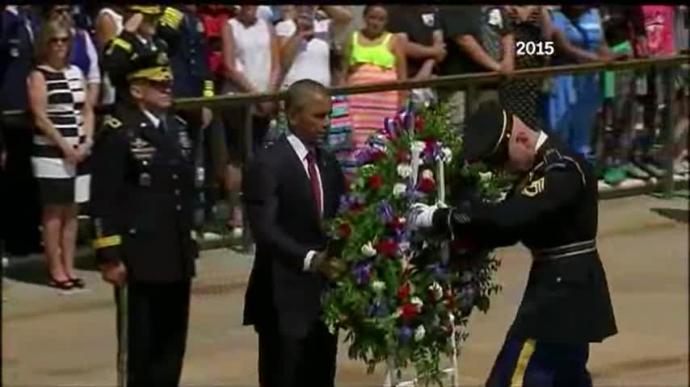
(59, 181)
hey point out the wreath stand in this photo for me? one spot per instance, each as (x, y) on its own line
(393, 374)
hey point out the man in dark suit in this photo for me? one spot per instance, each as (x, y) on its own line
(291, 188)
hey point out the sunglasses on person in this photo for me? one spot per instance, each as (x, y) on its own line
(161, 86)
(59, 39)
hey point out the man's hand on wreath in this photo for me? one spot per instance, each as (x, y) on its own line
(329, 267)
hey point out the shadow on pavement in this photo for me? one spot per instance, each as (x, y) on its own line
(36, 274)
(678, 214)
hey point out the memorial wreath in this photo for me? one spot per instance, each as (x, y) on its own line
(406, 297)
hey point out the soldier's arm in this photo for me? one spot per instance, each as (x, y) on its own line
(260, 196)
(502, 224)
(109, 163)
(169, 29)
(118, 56)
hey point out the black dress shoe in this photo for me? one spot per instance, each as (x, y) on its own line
(78, 283)
(62, 285)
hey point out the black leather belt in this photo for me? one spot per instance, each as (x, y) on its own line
(565, 251)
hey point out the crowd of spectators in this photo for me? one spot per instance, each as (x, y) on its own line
(615, 120)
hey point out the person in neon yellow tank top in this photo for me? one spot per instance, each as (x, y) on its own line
(373, 55)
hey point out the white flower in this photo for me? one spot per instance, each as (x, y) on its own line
(418, 146)
(436, 290)
(399, 189)
(404, 247)
(428, 174)
(416, 301)
(404, 170)
(485, 176)
(447, 155)
(367, 168)
(368, 250)
(419, 333)
(406, 264)
(378, 286)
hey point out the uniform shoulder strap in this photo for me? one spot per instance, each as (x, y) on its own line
(555, 160)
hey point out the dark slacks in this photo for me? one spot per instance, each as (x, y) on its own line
(158, 316)
(532, 363)
(286, 361)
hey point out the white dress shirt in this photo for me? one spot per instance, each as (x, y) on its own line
(541, 140)
(152, 117)
(302, 151)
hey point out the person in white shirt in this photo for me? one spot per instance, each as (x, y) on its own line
(305, 43)
(252, 65)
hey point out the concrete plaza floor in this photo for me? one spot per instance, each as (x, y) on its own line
(51, 339)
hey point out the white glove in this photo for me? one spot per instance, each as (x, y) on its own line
(421, 216)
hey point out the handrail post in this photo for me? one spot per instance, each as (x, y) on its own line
(471, 100)
(668, 128)
(247, 150)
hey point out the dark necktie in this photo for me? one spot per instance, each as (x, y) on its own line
(163, 125)
(315, 181)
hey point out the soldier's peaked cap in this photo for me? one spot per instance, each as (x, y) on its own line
(153, 67)
(486, 134)
(153, 10)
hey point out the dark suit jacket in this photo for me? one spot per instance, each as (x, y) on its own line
(286, 225)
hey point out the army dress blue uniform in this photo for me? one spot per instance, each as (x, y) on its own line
(142, 204)
(18, 30)
(553, 212)
(122, 52)
(193, 78)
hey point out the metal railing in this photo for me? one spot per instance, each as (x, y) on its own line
(469, 81)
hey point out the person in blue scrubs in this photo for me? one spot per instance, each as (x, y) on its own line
(574, 99)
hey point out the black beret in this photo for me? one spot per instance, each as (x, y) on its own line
(486, 134)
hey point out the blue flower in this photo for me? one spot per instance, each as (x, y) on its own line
(363, 156)
(405, 334)
(385, 212)
(413, 195)
(344, 204)
(362, 273)
(379, 309)
(439, 272)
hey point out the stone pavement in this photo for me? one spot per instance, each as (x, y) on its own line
(51, 339)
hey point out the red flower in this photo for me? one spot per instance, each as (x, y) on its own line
(402, 156)
(449, 299)
(404, 291)
(419, 124)
(395, 224)
(426, 185)
(409, 311)
(378, 155)
(356, 207)
(462, 244)
(387, 248)
(344, 230)
(375, 182)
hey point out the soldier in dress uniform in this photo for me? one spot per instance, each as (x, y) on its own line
(142, 204)
(148, 31)
(552, 211)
